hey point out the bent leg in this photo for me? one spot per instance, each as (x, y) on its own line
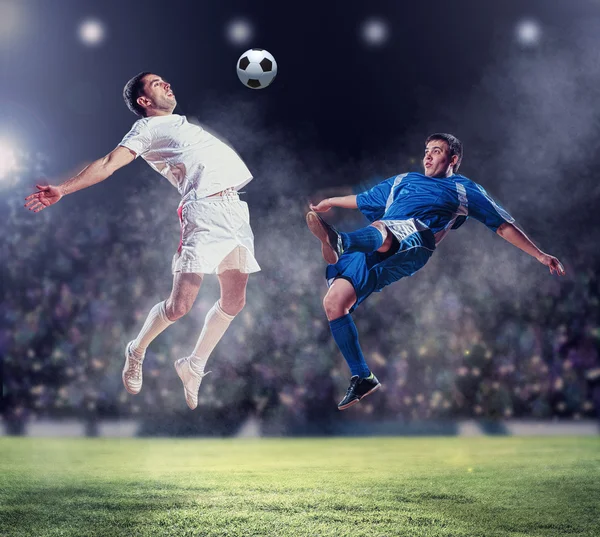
(184, 292)
(163, 314)
(233, 298)
(367, 239)
(388, 238)
(374, 237)
(337, 303)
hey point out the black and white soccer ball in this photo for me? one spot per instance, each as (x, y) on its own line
(256, 68)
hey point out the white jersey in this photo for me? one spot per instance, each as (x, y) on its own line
(192, 159)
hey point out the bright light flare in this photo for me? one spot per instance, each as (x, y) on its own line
(11, 19)
(92, 32)
(375, 32)
(239, 32)
(528, 32)
(8, 159)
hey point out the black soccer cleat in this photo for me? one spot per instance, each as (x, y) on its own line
(358, 389)
(331, 242)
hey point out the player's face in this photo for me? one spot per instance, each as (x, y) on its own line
(158, 95)
(437, 161)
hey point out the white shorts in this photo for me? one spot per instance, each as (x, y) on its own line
(215, 236)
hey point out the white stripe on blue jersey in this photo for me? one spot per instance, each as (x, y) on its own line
(441, 204)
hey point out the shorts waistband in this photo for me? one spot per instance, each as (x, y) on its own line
(229, 194)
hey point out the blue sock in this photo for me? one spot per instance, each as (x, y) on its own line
(346, 336)
(368, 239)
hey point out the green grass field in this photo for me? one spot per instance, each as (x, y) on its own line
(310, 487)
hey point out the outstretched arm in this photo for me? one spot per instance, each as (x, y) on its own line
(516, 237)
(94, 173)
(346, 202)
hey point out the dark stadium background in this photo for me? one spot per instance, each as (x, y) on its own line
(482, 332)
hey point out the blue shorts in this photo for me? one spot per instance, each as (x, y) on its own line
(370, 273)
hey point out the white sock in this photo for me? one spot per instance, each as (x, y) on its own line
(156, 322)
(215, 325)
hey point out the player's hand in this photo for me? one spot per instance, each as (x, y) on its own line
(44, 197)
(322, 206)
(553, 264)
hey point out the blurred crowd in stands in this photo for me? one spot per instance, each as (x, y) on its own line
(482, 331)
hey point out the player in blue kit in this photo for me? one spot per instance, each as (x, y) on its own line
(410, 214)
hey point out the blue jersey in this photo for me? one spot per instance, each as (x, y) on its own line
(441, 204)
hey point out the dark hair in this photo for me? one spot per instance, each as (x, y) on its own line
(454, 144)
(131, 92)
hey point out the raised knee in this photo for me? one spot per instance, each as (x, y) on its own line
(382, 228)
(388, 238)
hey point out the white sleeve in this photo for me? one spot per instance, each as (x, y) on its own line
(138, 139)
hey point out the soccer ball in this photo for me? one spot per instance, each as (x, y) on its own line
(256, 68)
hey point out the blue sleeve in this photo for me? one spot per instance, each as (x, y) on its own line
(484, 209)
(372, 202)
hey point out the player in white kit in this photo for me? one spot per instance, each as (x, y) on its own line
(216, 237)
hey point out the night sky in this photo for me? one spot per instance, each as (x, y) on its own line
(346, 110)
(336, 92)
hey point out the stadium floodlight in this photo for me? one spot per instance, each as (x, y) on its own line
(375, 31)
(11, 23)
(528, 32)
(239, 32)
(92, 32)
(8, 159)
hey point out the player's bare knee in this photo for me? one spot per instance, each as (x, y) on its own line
(177, 309)
(233, 291)
(233, 306)
(382, 228)
(332, 304)
(388, 238)
(328, 303)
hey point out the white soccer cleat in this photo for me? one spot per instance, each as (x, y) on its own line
(132, 371)
(191, 381)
